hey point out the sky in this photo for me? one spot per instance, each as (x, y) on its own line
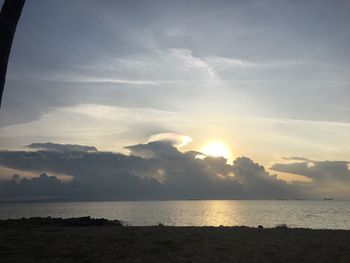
(152, 85)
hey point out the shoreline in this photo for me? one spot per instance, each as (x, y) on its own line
(100, 240)
(87, 221)
(54, 200)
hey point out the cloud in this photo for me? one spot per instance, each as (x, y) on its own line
(256, 180)
(319, 171)
(295, 158)
(155, 149)
(151, 68)
(328, 178)
(96, 124)
(223, 63)
(62, 147)
(43, 186)
(95, 80)
(188, 60)
(178, 140)
(155, 170)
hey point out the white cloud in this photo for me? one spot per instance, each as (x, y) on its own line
(152, 67)
(113, 81)
(177, 139)
(219, 63)
(108, 127)
(192, 62)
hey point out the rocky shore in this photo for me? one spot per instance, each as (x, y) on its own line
(99, 240)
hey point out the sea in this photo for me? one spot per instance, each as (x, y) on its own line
(322, 214)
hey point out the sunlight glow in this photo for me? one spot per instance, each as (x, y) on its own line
(217, 149)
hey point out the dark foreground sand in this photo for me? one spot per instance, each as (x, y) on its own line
(21, 241)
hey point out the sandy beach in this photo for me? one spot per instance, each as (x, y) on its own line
(103, 241)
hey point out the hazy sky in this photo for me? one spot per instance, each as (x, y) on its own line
(268, 79)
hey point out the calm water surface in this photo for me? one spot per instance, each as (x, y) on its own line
(310, 214)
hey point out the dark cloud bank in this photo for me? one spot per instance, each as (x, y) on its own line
(155, 170)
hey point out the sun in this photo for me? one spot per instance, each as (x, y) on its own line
(217, 149)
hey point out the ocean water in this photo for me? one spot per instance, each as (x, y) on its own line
(303, 213)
